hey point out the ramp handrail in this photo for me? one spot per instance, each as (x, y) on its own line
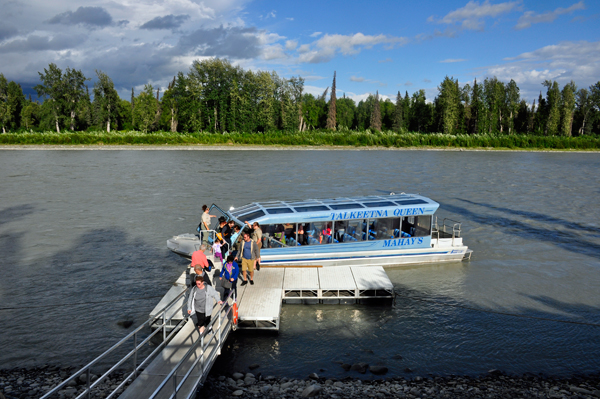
(136, 367)
(218, 335)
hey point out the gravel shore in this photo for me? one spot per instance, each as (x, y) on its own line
(34, 382)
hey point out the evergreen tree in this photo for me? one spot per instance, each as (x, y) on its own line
(398, 114)
(376, 115)
(477, 110)
(331, 113)
(5, 110)
(512, 103)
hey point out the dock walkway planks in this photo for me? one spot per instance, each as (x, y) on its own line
(153, 376)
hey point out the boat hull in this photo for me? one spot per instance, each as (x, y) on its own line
(185, 244)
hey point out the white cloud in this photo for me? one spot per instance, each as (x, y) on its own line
(291, 44)
(316, 34)
(356, 79)
(384, 61)
(326, 47)
(530, 17)
(452, 60)
(563, 62)
(305, 48)
(472, 16)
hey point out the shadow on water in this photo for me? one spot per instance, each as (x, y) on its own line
(566, 240)
(539, 217)
(14, 213)
(69, 306)
(422, 334)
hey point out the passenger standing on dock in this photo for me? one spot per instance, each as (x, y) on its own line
(230, 272)
(249, 255)
(199, 263)
(237, 245)
(256, 233)
(200, 303)
(205, 224)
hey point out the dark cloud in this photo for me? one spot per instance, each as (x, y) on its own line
(167, 22)
(234, 42)
(40, 43)
(93, 16)
(7, 32)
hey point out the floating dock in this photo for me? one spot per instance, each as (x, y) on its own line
(259, 305)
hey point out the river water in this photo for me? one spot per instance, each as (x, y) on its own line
(91, 226)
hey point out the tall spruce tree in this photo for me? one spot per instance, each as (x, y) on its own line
(376, 115)
(398, 111)
(331, 113)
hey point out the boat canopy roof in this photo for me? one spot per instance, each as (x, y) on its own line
(373, 206)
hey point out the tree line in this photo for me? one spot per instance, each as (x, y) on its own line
(216, 97)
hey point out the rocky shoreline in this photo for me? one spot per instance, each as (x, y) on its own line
(34, 382)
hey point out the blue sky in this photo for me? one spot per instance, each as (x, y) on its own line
(385, 46)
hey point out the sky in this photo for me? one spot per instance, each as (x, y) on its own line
(377, 46)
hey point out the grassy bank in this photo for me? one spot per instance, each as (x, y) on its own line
(311, 138)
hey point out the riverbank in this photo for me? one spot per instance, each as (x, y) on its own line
(34, 382)
(310, 139)
(250, 147)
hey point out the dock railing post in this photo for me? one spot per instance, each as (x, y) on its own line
(202, 353)
(175, 386)
(135, 355)
(164, 324)
(219, 329)
(89, 392)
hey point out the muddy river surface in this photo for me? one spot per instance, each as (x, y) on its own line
(83, 247)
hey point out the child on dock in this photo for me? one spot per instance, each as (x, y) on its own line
(217, 249)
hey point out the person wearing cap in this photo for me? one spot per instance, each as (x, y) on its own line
(200, 303)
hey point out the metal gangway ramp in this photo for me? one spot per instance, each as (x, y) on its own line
(183, 365)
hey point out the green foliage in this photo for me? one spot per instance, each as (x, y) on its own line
(106, 102)
(340, 137)
(145, 109)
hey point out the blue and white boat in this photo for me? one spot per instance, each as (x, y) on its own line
(387, 230)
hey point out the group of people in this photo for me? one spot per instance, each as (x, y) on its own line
(245, 248)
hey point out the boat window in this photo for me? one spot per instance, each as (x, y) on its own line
(378, 204)
(354, 231)
(345, 206)
(384, 228)
(272, 235)
(318, 233)
(411, 202)
(275, 211)
(416, 226)
(251, 215)
(312, 208)
(347, 230)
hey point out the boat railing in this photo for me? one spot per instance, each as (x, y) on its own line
(449, 228)
(137, 364)
(222, 323)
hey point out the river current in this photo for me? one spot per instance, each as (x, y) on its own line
(83, 247)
